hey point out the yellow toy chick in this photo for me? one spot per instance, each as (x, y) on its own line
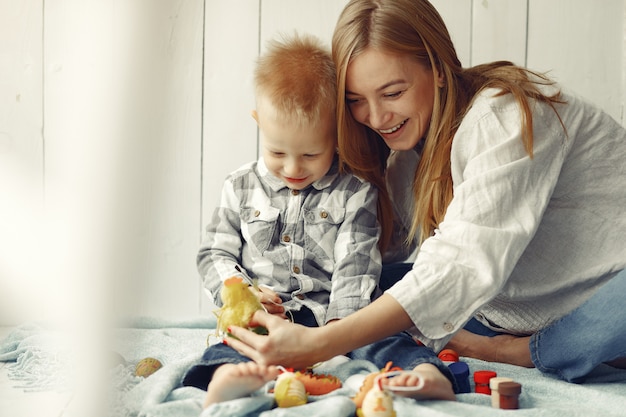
(289, 390)
(377, 403)
(239, 304)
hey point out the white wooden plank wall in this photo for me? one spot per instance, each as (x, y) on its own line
(122, 117)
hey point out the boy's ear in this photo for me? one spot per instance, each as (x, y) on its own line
(255, 115)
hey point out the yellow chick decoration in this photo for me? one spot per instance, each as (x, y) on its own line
(239, 304)
(289, 391)
(369, 382)
(378, 402)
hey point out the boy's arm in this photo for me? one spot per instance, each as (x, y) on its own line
(357, 257)
(220, 252)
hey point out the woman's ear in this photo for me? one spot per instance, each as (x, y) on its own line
(441, 81)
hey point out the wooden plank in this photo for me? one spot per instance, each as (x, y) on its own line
(286, 16)
(164, 199)
(457, 14)
(123, 105)
(582, 46)
(229, 133)
(623, 101)
(21, 156)
(499, 31)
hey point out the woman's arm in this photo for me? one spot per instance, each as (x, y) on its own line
(297, 346)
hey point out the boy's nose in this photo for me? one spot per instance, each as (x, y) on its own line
(292, 168)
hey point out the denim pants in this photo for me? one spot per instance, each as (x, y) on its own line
(592, 334)
(574, 345)
(400, 349)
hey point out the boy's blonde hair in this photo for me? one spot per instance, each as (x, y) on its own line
(297, 75)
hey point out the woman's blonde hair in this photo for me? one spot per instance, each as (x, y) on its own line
(415, 28)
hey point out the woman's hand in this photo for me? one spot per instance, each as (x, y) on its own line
(290, 345)
(271, 301)
(296, 346)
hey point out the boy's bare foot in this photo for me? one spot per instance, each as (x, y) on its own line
(231, 381)
(435, 386)
(505, 348)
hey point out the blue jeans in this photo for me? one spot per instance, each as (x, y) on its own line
(592, 334)
(574, 345)
(400, 349)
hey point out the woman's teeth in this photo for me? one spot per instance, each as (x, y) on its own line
(393, 129)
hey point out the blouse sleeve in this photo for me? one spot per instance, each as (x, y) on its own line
(500, 194)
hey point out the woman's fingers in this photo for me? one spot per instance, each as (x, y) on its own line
(284, 345)
(243, 342)
(252, 344)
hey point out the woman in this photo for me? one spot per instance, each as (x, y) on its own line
(516, 203)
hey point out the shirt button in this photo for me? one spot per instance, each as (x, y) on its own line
(286, 238)
(257, 213)
(300, 297)
(323, 214)
(295, 192)
(296, 270)
(448, 327)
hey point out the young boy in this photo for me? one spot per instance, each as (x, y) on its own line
(307, 233)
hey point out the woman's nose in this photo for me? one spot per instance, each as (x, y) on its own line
(378, 116)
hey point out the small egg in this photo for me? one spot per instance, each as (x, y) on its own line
(147, 366)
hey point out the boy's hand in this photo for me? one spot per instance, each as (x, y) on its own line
(270, 300)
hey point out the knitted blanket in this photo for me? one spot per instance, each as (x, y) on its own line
(40, 358)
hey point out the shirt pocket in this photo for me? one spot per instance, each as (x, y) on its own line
(259, 225)
(321, 226)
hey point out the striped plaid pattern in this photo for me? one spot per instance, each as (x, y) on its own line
(315, 247)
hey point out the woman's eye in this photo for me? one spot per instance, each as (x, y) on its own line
(394, 94)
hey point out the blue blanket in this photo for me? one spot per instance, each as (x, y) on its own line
(39, 360)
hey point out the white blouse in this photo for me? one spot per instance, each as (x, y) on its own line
(524, 240)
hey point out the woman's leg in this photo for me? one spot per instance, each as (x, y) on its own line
(480, 342)
(593, 334)
(570, 348)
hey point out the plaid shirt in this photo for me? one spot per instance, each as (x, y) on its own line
(316, 247)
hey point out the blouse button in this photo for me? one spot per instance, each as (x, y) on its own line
(323, 214)
(448, 327)
(295, 192)
(300, 297)
(257, 213)
(286, 238)
(296, 270)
